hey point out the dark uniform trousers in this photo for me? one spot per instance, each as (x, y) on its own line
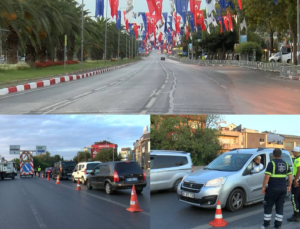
(274, 196)
(296, 198)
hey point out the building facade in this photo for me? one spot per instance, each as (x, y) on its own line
(142, 149)
(98, 146)
(126, 154)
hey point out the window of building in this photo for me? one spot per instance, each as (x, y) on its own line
(298, 144)
(289, 144)
(261, 140)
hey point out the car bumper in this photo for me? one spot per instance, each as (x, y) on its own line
(206, 198)
(122, 185)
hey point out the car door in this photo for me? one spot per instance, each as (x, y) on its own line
(254, 181)
(75, 172)
(95, 177)
(102, 176)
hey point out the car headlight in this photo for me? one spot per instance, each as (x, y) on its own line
(216, 182)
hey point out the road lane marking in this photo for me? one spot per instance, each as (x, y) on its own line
(153, 93)
(171, 95)
(78, 96)
(151, 102)
(100, 88)
(163, 86)
(157, 93)
(53, 105)
(37, 216)
(143, 111)
(117, 93)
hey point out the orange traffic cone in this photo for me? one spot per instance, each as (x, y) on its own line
(57, 180)
(218, 221)
(48, 178)
(134, 204)
(78, 186)
(42, 175)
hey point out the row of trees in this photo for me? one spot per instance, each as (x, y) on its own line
(261, 17)
(187, 133)
(37, 28)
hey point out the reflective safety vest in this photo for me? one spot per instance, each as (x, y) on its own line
(39, 169)
(295, 166)
(279, 175)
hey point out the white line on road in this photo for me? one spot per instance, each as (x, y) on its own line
(171, 95)
(100, 88)
(163, 86)
(157, 93)
(151, 102)
(153, 93)
(37, 216)
(143, 111)
(53, 105)
(81, 95)
(117, 93)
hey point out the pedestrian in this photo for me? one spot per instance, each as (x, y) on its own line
(35, 171)
(296, 188)
(275, 177)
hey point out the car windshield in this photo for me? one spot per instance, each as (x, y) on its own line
(68, 164)
(91, 166)
(229, 162)
(128, 167)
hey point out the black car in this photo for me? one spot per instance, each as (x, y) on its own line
(112, 176)
(48, 171)
(162, 58)
(64, 169)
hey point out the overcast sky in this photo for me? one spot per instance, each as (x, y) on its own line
(67, 134)
(282, 124)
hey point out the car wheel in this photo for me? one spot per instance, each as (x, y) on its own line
(108, 188)
(73, 179)
(139, 190)
(88, 184)
(272, 60)
(176, 184)
(82, 180)
(235, 201)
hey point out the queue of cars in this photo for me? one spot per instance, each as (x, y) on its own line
(110, 176)
(230, 178)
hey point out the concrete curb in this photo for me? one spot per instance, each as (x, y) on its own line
(57, 80)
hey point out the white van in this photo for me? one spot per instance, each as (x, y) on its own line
(82, 170)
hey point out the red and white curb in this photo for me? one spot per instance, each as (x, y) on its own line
(62, 79)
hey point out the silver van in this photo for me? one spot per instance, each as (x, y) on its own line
(229, 178)
(167, 168)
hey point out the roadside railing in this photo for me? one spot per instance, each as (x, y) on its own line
(285, 70)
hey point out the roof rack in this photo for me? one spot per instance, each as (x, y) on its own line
(240, 148)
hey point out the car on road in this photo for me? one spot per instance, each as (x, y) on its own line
(48, 171)
(64, 169)
(275, 58)
(229, 178)
(116, 175)
(168, 167)
(82, 170)
(162, 58)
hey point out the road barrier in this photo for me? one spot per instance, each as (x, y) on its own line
(286, 71)
(57, 180)
(218, 221)
(134, 204)
(78, 186)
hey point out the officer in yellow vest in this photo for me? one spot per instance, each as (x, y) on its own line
(275, 177)
(296, 187)
(39, 170)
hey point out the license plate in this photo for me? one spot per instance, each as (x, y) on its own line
(132, 179)
(69, 173)
(188, 194)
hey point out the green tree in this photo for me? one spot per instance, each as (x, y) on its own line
(17, 161)
(247, 47)
(82, 156)
(107, 155)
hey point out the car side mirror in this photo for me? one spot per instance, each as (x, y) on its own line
(255, 169)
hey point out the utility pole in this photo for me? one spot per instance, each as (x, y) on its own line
(81, 62)
(119, 45)
(126, 43)
(132, 48)
(129, 48)
(105, 33)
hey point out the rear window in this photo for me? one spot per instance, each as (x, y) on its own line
(128, 168)
(158, 162)
(91, 166)
(284, 157)
(68, 164)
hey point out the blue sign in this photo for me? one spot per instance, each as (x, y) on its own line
(243, 38)
(26, 167)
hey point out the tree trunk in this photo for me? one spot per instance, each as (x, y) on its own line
(60, 49)
(12, 41)
(42, 54)
(70, 52)
(30, 54)
(295, 48)
(271, 42)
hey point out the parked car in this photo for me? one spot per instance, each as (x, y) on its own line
(167, 168)
(64, 169)
(235, 185)
(82, 170)
(162, 58)
(275, 57)
(112, 176)
(48, 171)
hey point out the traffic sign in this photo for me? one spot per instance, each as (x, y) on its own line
(14, 149)
(26, 167)
(40, 150)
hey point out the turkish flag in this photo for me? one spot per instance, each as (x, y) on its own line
(199, 19)
(151, 6)
(195, 5)
(158, 9)
(114, 5)
(240, 4)
(126, 21)
(177, 25)
(187, 32)
(221, 27)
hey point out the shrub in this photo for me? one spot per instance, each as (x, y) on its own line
(8, 67)
(50, 63)
(247, 47)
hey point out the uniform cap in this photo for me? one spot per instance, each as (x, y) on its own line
(296, 149)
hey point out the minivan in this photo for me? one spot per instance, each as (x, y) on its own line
(112, 176)
(167, 168)
(64, 169)
(235, 185)
(82, 170)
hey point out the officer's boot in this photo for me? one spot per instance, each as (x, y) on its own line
(295, 217)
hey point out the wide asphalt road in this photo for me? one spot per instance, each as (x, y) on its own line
(35, 203)
(168, 212)
(153, 86)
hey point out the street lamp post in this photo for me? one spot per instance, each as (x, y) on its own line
(113, 149)
(105, 34)
(81, 62)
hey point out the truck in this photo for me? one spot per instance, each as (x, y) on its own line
(8, 169)
(26, 164)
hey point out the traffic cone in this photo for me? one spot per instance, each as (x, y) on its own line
(218, 221)
(57, 180)
(78, 186)
(134, 204)
(48, 178)
(42, 175)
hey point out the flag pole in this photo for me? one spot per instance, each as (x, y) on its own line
(105, 35)
(119, 45)
(81, 35)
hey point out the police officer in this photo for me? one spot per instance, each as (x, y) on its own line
(275, 177)
(39, 169)
(296, 186)
(35, 171)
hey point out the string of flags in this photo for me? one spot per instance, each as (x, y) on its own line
(164, 29)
